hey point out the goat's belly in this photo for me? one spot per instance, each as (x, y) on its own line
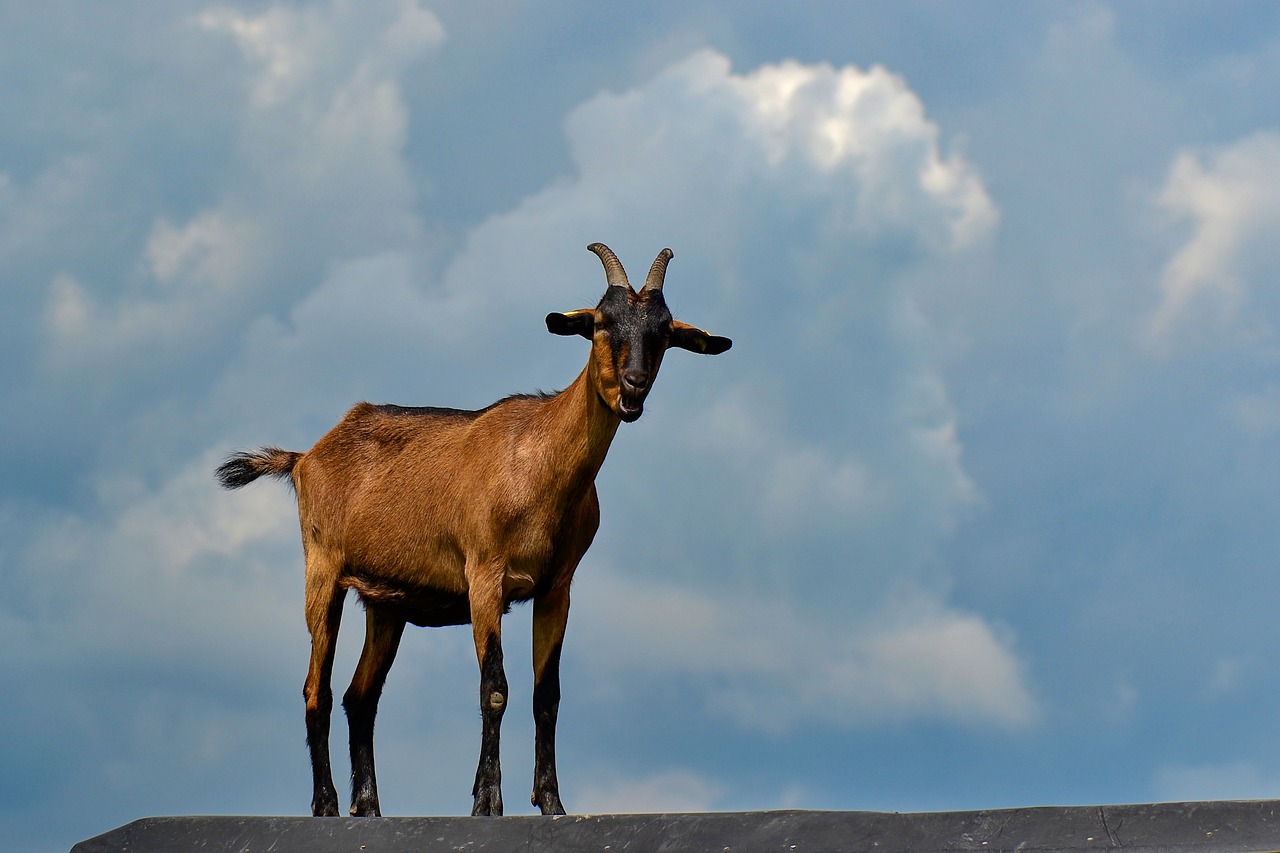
(421, 605)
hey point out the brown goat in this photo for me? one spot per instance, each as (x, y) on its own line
(447, 517)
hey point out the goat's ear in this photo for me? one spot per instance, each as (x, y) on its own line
(695, 340)
(580, 322)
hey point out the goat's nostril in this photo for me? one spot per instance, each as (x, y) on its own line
(635, 379)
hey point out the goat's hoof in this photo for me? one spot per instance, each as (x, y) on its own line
(365, 810)
(548, 802)
(488, 803)
(323, 806)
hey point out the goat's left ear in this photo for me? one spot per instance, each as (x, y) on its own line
(696, 340)
(580, 322)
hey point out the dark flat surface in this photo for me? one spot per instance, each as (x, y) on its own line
(1238, 827)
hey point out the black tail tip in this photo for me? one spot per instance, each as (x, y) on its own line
(237, 471)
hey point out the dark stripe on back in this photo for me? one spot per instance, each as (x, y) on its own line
(443, 412)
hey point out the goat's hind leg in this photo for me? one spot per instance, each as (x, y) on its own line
(381, 640)
(324, 614)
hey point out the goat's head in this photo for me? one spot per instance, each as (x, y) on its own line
(630, 331)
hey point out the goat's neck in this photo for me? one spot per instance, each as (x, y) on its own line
(580, 427)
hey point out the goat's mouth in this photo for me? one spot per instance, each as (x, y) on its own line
(630, 410)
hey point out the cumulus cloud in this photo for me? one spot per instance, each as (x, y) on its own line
(780, 663)
(1230, 199)
(699, 126)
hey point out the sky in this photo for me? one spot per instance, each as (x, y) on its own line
(978, 512)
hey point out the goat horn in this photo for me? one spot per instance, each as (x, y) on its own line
(658, 272)
(613, 271)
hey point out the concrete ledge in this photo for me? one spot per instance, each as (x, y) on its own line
(1223, 827)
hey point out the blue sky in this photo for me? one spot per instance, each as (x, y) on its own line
(978, 512)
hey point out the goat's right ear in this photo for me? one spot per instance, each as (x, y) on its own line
(580, 322)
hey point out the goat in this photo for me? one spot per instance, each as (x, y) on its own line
(446, 517)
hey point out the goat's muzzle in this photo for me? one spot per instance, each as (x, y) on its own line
(634, 388)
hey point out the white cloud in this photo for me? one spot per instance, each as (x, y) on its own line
(699, 126)
(778, 664)
(1230, 197)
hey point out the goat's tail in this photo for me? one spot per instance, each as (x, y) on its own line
(243, 468)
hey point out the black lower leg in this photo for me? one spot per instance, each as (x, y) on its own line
(493, 702)
(546, 708)
(324, 797)
(361, 711)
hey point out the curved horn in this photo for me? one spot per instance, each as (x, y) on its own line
(658, 272)
(613, 271)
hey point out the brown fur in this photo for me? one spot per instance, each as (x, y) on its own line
(360, 494)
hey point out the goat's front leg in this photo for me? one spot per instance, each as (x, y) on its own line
(486, 623)
(550, 613)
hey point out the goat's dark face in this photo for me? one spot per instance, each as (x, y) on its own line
(629, 336)
(630, 332)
